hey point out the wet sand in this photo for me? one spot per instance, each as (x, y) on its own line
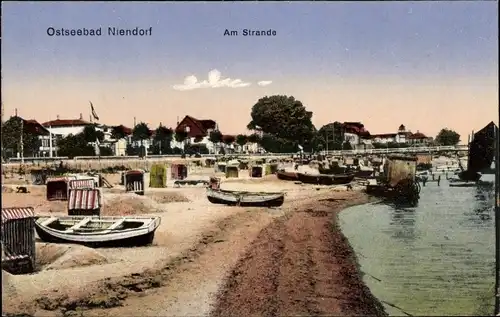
(205, 260)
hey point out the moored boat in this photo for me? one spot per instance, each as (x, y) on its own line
(287, 176)
(243, 198)
(323, 179)
(98, 232)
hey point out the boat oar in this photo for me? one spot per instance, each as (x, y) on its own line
(398, 308)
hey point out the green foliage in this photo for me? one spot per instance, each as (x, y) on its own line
(447, 137)
(196, 148)
(228, 139)
(74, 145)
(176, 150)
(331, 132)
(215, 136)
(241, 139)
(117, 133)
(163, 137)
(90, 134)
(273, 144)
(105, 151)
(180, 136)
(141, 132)
(254, 138)
(11, 138)
(283, 117)
(132, 150)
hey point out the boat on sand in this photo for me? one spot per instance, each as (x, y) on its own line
(325, 179)
(287, 176)
(243, 198)
(98, 231)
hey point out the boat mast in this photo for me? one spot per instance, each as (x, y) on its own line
(497, 222)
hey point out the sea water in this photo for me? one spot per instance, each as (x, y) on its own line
(435, 259)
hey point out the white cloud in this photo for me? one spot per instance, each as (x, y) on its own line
(214, 81)
(264, 83)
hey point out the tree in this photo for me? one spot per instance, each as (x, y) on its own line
(228, 139)
(447, 137)
(75, 145)
(241, 139)
(215, 137)
(254, 138)
(180, 136)
(333, 133)
(283, 117)
(118, 133)
(90, 134)
(162, 138)
(273, 144)
(11, 138)
(140, 133)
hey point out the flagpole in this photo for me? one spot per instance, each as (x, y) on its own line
(50, 140)
(22, 141)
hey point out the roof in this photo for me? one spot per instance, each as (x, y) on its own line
(16, 213)
(202, 125)
(66, 123)
(36, 126)
(355, 128)
(417, 135)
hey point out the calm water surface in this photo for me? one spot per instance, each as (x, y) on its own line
(435, 259)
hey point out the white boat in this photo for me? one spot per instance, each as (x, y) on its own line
(98, 231)
(242, 198)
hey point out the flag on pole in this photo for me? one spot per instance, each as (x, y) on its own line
(94, 114)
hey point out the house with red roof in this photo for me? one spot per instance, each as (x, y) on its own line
(197, 130)
(402, 136)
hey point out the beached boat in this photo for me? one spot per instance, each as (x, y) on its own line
(463, 184)
(287, 176)
(242, 198)
(192, 182)
(98, 232)
(322, 179)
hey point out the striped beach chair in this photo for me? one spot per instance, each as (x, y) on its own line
(84, 202)
(18, 240)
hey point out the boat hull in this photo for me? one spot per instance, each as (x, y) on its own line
(321, 179)
(287, 176)
(105, 237)
(245, 199)
(137, 241)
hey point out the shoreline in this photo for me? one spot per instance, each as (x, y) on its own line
(290, 270)
(296, 249)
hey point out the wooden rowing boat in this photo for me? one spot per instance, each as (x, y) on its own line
(242, 198)
(193, 182)
(287, 176)
(98, 232)
(323, 179)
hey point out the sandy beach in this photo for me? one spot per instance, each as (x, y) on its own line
(206, 259)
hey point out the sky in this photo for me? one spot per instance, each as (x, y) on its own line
(427, 65)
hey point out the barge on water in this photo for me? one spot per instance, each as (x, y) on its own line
(398, 181)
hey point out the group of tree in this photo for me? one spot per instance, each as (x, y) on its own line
(280, 124)
(11, 138)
